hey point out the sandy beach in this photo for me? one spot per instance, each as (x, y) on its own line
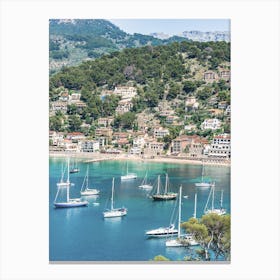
(93, 157)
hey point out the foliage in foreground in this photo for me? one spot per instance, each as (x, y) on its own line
(212, 232)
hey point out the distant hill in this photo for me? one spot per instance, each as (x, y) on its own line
(200, 36)
(75, 40)
(72, 41)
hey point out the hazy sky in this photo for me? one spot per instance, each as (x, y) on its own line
(171, 26)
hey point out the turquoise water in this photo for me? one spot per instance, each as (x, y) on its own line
(81, 234)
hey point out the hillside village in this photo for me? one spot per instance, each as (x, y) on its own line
(187, 127)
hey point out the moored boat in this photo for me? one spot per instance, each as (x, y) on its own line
(182, 240)
(128, 176)
(70, 202)
(114, 212)
(219, 211)
(166, 195)
(85, 190)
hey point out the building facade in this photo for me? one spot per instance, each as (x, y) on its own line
(220, 147)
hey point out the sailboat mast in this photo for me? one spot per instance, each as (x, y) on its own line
(87, 179)
(68, 181)
(112, 198)
(158, 184)
(208, 198)
(195, 201)
(222, 193)
(68, 171)
(179, 215)
(213, 194)
(166, 181)
(202, 173)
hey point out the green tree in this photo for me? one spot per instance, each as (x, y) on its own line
(72, 109)
(56, 123)
(222, 95)
(174, 90)
(161, 258)
(125, 121)
(167, 139)
(212, 232)
(74, 123)
(204, 93)
(189, 86)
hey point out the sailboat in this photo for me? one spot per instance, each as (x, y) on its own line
(181, 240)
(145, 185)
(74, 168)
(114, 212)
(202, 182)
(128, 176)
(166, 195)
(70, 202)
(163, 231)
(63, 183)
(85, 190)
(219, 211)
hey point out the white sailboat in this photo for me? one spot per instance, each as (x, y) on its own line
(166, 195)
(164, 231)
(128, 176)
(70, 202)
(182, 240)
(202, 182)
(85, 190)
(195, 203)
(63, 183)
(114, 212)
(219, 211)
(74, 168)
(145, 185)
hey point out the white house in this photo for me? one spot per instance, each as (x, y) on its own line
(89, 146)
(125, 92)
(56, 137)
(139, 142)
(59, 106)
(135, 151)
(160, 132)
(75, 97)
(211, 124)
(220, 147)
(124, 106)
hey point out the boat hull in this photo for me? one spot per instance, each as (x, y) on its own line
(203, 184)
(159, 235)
(164, 196)
(162, 232)
(145, 187)
(128, 177)
(219, 212)
(115, 213)
(70, 204)
(184, 241)
(90, 192)
(75, 170)
(63, 184)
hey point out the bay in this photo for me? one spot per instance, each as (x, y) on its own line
(82, 234)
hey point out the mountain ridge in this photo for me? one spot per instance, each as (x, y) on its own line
(72, 41)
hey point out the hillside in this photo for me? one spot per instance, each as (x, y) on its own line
(73, 41)
(162, 80)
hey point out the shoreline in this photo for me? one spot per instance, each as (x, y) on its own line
(95, 157)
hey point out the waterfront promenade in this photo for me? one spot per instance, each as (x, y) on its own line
(96, 156)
